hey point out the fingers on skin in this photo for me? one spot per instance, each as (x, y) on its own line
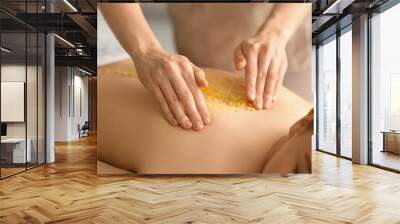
(272, 78)
(174, 104)
(198, 96)
(264, 61)
(279, 83)
(250, 52)
(185, 95)
(239, 59)
(164, 105)
(278, 86)
(200, 76)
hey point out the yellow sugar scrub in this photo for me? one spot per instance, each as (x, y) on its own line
(224, 89)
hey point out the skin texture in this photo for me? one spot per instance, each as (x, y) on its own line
(175, 81)
(133, 136)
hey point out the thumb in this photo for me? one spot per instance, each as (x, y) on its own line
(239, 59)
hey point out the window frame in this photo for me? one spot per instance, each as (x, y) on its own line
(334, 37)
(30, 29)
(378, 10)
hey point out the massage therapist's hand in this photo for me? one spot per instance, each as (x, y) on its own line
(172, 79)
(263, 57)
(175, 82)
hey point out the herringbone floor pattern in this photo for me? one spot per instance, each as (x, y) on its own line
(69, 191)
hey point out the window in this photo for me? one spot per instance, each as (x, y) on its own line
(329, 112)
(385, 89)
(14, 153)
(22, 88)
(327, 96)
(346, 75)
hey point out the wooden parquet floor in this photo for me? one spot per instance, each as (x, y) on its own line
(69, 191)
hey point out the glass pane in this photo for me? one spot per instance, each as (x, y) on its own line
(31, 100)
(22, 89)
(386, 89)
(41, 98)
(346, 94)
(31, 88)
(327, 97)
(80, 105)
(13, 86)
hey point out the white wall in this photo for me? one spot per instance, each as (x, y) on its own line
(80, 84)
(12, 101)
(62, 81)
(69, 82)
(17, 73)
(33, 127)
(14, 73)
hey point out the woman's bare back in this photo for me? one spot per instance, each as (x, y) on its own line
(133, 135)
